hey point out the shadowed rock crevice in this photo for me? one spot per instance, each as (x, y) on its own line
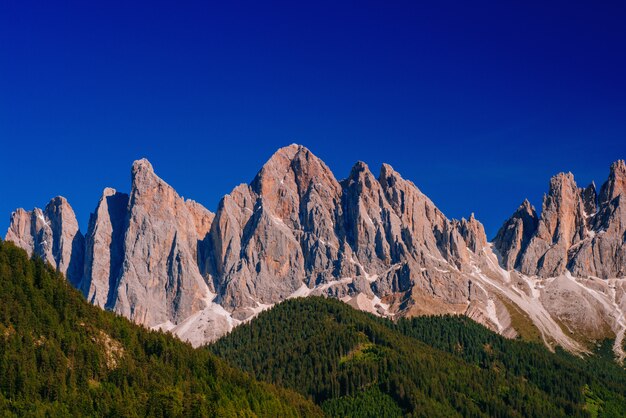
(104, 248)
(117, 206)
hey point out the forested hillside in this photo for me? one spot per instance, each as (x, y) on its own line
(353, 363)
(60, 356)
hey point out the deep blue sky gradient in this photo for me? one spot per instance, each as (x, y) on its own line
(477, 103)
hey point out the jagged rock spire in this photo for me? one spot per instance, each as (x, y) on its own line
(159, 279)
(515, 234)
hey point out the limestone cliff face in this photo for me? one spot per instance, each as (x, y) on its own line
(51, 234)
(159, 280)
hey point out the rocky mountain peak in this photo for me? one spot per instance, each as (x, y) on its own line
(389, 178)
(514, 235)
(526, 206)
(358, 168)
(387, 171)
(616, 183)
(160, 279)
(560, 209)
(361, 180)
(143, 178)
(618, 169)
(562, 224)
(52, 234)
(473, 232)
(288, 179)
(67, 241)
(526, 209)
(20, 229)
(578, 230)
(293, 164)
(142, 165)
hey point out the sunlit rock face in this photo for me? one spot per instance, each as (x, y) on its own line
(159, 279)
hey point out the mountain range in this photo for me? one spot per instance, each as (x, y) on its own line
(375, 242)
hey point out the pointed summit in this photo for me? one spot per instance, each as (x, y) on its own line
(286, 178)
(290, 161)
(515, 234)
(562, 224)
(387, 171)
(388, 177)
(559, 184)
(360, 175)
(526, 206)
(143, 176)
(473, 233)
(142, 164)
(618, 168)
(359, 167)
(52, 234)
(616, 183)
(282, 160)
(159, 279)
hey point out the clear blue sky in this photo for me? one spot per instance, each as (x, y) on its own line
(477, 103)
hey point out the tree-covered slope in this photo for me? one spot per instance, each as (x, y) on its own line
(355, 364)
(60, 356)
